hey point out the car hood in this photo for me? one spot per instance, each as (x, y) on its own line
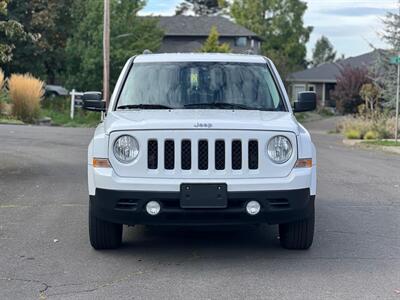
(200, 119)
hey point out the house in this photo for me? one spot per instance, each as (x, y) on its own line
(322, 79)
(188, 34)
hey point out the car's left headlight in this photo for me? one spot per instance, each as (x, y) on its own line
(126, 149)
(279, 149)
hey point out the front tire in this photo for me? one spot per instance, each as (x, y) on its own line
(103, 234)
(298, 235)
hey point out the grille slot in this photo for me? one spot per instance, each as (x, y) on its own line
(127, 204)
(152, 154)
(169, 155)
(186, 155)
(220, 155)
(203, 155)
(253, 155)
(279, 203)
(237, 155)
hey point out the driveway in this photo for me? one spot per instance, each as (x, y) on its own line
(45, 253)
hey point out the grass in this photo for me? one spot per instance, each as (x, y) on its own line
(81, 119)
(383, 143)
(10, 121)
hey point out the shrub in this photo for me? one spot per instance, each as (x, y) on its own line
(353, 134)
(25, 92)
(371, 135)
(347, 90)
(361, 125)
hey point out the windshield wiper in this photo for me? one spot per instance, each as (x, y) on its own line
(144, 106)
(223, 105)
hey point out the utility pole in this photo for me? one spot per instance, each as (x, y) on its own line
(106, 52)
(398, 91)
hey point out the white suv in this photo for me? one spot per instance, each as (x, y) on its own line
(201, 139)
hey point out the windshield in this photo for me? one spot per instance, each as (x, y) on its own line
(200, 85)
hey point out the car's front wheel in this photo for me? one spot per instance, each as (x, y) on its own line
(103, 234)
(298, 235)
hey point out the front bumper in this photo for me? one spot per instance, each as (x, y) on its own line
(128, 207)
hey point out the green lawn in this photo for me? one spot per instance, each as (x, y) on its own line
(59, 111)
(383, 143)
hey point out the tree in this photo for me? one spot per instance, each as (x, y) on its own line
(370, 94)
(323, 52)
(385, 72)
(212, 44)
(130, 35)
(347, 90)
(11, 31)
(280, 24)
(51, 23)
(201, 7)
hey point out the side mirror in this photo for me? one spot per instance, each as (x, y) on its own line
(306, 101)
(93, 101)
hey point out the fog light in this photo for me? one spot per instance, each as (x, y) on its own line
(153, 208)
(253, 208)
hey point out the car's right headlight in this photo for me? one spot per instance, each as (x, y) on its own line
(126, 149)
(279, 149)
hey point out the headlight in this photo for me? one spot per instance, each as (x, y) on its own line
(279, 149)
(126, 149)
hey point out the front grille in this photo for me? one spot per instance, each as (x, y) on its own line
(222, 150)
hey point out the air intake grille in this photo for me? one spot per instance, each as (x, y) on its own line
(236, 155)
(186, 155)
(187, 149)
(220, 155)
(169, 155)
(152, 155)
(253, 155)
(203, 155)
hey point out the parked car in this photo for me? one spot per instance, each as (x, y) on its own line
(55, 91)
(201, 139)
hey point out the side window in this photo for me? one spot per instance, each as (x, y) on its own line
(241, 41)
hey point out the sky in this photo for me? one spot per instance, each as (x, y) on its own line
(351, 25)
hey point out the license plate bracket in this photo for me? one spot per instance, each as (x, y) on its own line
(204, 195)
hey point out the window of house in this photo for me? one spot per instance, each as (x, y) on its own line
(241, 41)
(311, 88)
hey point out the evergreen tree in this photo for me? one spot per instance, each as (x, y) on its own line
(323, 52)
(385, 73)
(212, 44)
(280, 24)
(130, 35)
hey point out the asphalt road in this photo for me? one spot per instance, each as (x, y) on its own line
(45, 253)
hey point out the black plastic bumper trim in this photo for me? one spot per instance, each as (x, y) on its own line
(128, 207)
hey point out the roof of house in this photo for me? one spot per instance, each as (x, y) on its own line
(328, 72)
(201, 26)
